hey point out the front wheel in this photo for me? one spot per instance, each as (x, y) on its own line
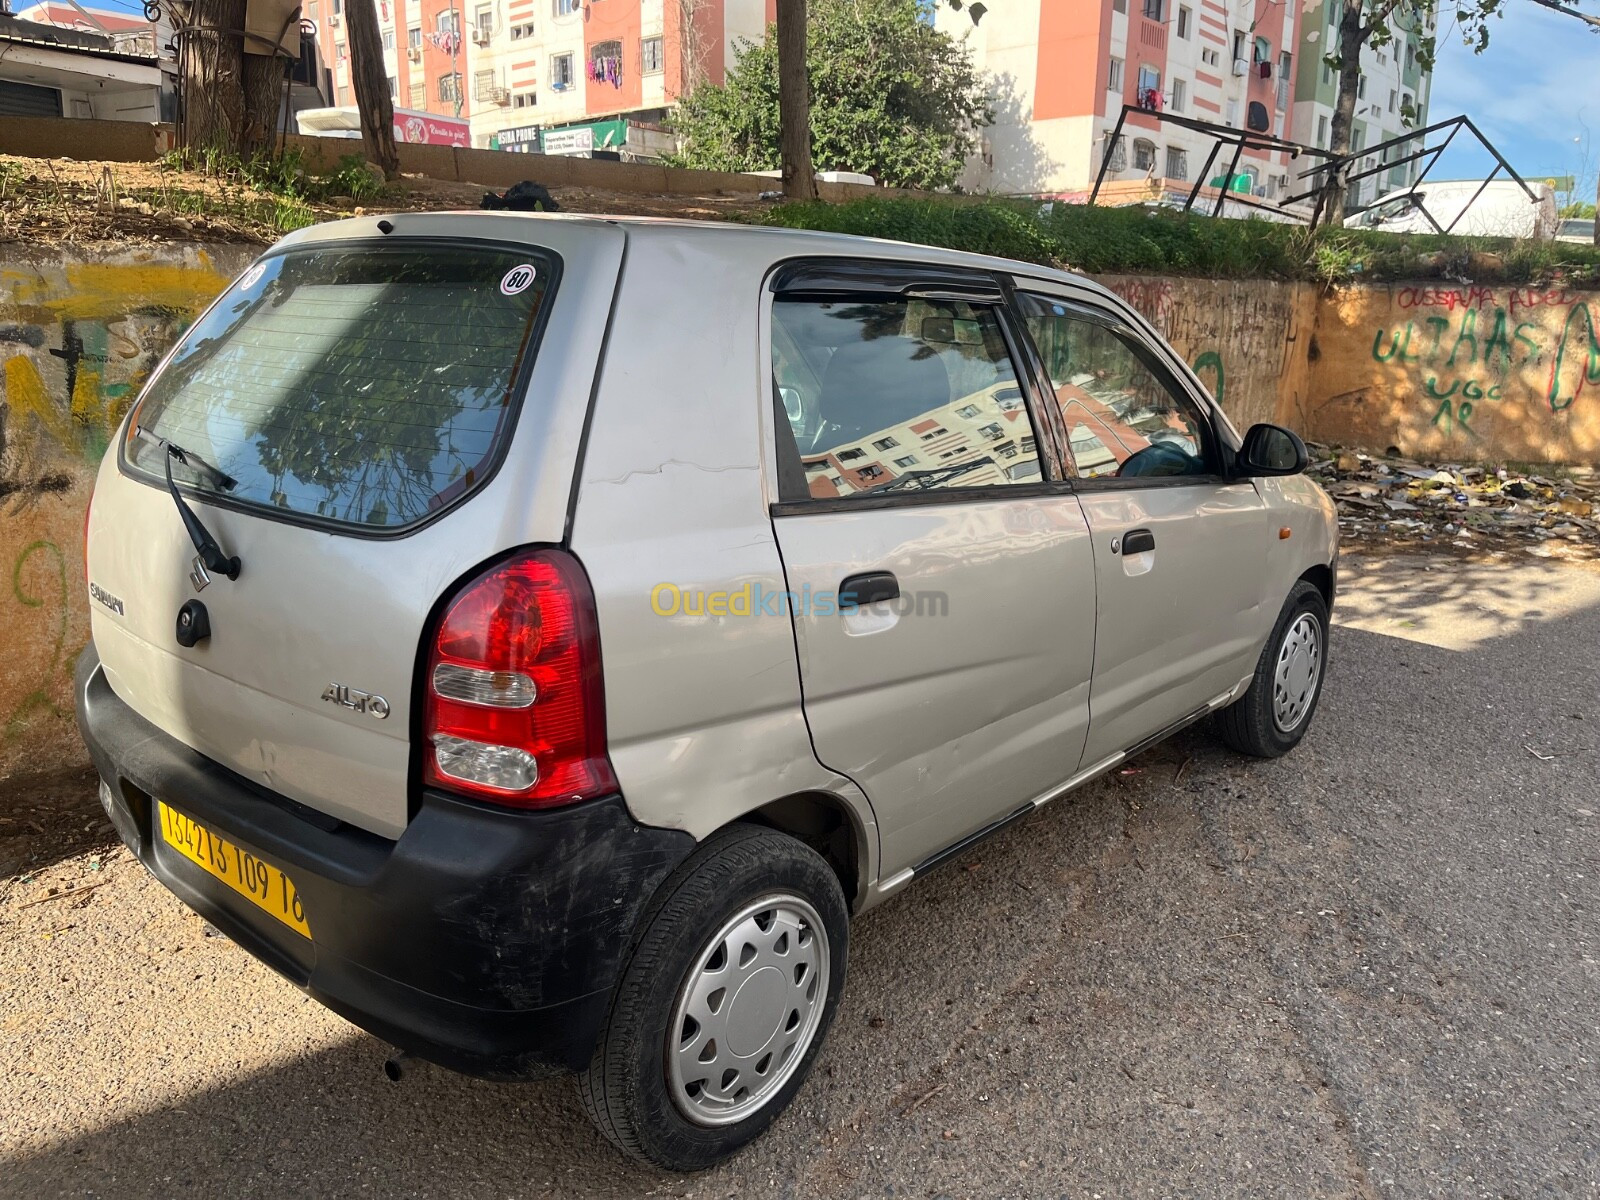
(1274, 713)
(724, 1004)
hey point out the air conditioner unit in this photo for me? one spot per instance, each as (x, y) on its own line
(1241, 66)
(500, 95)
(414, 54)
(333, 20)
(480, 36)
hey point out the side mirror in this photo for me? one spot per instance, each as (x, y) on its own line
(1272, 450)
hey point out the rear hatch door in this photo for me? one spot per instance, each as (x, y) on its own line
(390, 411)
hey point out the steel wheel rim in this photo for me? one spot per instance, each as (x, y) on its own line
(1299, 667)
(748, 1010)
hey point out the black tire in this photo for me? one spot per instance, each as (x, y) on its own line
(1248, 724)
(626, 1090)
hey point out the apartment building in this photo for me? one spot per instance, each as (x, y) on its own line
(1393, 83)
(1062, 70)
(549, 76)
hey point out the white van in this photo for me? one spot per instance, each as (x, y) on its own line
(1501, 210)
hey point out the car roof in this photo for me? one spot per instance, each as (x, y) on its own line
(768, 242)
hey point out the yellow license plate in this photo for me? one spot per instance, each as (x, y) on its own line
(261, 883)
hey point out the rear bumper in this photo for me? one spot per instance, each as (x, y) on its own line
(488, 941)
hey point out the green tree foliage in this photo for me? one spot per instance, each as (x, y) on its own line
(890, 96)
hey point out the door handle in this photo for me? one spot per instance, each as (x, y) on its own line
(1136, 541)
(869, 586)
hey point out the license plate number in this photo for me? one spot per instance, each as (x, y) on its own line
(261, 883)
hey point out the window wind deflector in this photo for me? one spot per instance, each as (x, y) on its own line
(882, 277)
(205, 545)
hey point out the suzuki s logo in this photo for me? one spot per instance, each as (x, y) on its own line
(356, 701)
(102, 596)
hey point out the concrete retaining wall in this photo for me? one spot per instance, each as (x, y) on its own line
(128, 141)
(1464, 373)
(79, 332)
(1457, 372)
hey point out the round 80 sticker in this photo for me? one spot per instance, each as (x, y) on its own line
(518, 279)
(252, 277)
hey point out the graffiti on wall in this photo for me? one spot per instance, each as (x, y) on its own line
(77, 341)
(1472, 349)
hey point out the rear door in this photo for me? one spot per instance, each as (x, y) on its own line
(1179, 548)
(390, 412)
(956, 691)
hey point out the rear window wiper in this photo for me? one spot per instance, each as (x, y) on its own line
(205, 545)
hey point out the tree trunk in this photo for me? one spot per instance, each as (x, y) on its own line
(1344, 109)
(213, 73)
(794, 102)
(372, 85)
(263, 102)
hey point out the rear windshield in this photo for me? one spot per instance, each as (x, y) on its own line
(365, 386)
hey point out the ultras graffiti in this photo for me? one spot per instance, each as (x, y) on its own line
(1476, 345)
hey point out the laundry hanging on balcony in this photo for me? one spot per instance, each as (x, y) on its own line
(607, 69)
(447, 40)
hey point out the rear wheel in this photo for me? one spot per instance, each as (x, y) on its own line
(1275, 712)
(724, 1004)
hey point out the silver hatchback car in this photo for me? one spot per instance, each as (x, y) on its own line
(536, 636)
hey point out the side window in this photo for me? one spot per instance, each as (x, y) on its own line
(894, 396)
(1122, 419)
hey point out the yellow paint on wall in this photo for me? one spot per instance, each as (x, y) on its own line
(97, 291)
(26, 396)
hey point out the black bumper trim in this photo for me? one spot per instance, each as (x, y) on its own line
(486, 940)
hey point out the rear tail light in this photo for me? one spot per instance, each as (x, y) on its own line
(515, 711)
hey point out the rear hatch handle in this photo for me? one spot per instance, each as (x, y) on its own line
(205, 545)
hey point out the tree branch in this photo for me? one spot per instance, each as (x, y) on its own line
(1565, 10)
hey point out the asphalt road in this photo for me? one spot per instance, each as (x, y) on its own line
(1367, 969)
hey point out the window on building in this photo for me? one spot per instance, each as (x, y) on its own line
(449, 21)
(1122, 417)
(1114, 75)
(1177, 163)
(851, 454)
(651, 58)
(1180, 95)
(524, 100)
(1394, 100)
(450, 87)
(910, 460)
(1116, 152)
(605, 61)
(344, 93)
(1144, 155)
(1361, 88)
(339, 51)
(338, 7)
(1411, 57)
(885, 443)
(414, 37)
(1184, 17)
(1155, 10)
(394, 88)
(560, 72)
(388, 39)
(1238, 44)
(418, 96)
(1149, 87)
(1322, 133)
(483, 21)
(1358, 137)
(1209, 56)
(1231, 114)
(565, 8)
(523, 30)
(1262, 51)
(1120, 6)
(484, 86)
(1327, 75)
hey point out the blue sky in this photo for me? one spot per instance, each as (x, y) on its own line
(1535, 89)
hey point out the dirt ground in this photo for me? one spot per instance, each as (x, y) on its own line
(54, 200)
(1365, 969)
